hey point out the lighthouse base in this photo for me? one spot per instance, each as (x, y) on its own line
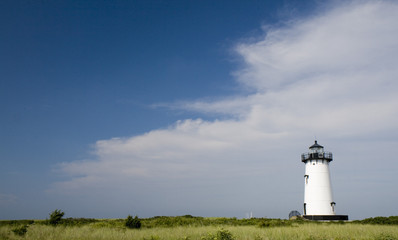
(326, 217)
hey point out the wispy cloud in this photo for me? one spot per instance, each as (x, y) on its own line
(333, 74)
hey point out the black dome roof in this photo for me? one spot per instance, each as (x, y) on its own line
(316, 145)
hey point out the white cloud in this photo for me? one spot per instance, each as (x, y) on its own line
(333, 75)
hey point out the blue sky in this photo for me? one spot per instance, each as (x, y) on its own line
(112, 108)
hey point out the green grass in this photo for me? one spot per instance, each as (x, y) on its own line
(102, 229)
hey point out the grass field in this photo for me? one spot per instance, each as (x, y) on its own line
(114, 229)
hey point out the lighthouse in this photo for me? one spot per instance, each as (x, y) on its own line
(318, 197)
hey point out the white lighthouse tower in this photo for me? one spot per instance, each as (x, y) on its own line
(318, 198)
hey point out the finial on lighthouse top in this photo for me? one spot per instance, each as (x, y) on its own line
(316, 145)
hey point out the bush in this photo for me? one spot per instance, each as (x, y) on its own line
(221, 234)
(15, 222)
(167, 221)
(55, 217)
(274, 223)
(77, 221)
(20, 231)
(392, 220)
(133, 222)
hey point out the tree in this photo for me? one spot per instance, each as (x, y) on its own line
(55, 217)
(21, 230)
(133, 222)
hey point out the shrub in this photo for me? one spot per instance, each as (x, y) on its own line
(55, 217)
(274, 223)
(392, 220)
(15, 222)
(167, 221)
(21, 230)
(221, 234)
(77, 221)
(133, 222)
(224, 234)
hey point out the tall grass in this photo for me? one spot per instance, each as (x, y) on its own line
(304, 231)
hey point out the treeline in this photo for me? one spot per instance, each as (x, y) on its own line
(64, 222)
(392, 220)
(188, 220)
(16, 222)
(158, 221)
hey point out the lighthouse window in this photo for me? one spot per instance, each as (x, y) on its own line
(305, 209)
(332, 204)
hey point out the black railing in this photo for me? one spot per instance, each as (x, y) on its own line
(310, 156)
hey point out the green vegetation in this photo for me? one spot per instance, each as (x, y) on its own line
(221, 234)
(21, 230)
(15, 222)
(199, 228)
(55, 217)
(76, 221)
(392, 220)
(133, 222)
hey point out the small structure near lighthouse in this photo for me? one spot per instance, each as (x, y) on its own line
(318, 198)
